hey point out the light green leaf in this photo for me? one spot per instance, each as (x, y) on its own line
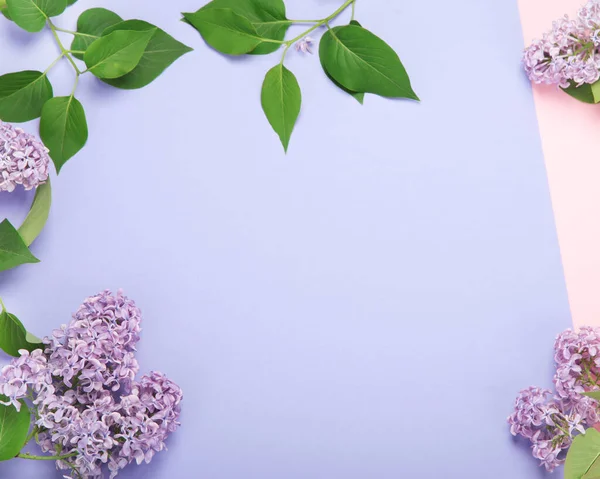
(13, 250)
(281, 101)
(117, 54)
(160, 53)
(2, 4)
(593, 394)
(583, 455)
(14, 337)
(38, 214)
(31, 15)
(63, 128)
(22, 95)
(267, 16)
(362, 62)
(14, 429)
(225, 30)
(90, 25)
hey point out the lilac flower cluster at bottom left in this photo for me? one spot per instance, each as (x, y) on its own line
(90, 409)
(550, 421)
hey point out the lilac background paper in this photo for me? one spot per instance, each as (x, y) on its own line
(367, 306)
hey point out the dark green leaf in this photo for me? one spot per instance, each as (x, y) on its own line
(71, 2)
(22, 95)
(281, 100)
(13, 250)
(14, 429)
(267, 16)
(4, 12)
(359, 96)
(31, 15)
(38, 214)
(586, 93)
(583, 455)
(161, 51)
(91, 24)
(362, 62)
(225, 30)
(117, 54)
(63, 128)
(13, 335)
(355, 23)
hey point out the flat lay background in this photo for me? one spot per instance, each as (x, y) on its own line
(366, 306)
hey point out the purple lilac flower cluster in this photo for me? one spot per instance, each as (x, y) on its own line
(569, 53)
(24, 159)
(89, 405)
(550, 421)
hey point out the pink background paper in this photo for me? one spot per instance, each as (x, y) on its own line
(570, 133)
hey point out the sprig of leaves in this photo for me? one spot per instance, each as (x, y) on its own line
(353, 58)
(125, 54)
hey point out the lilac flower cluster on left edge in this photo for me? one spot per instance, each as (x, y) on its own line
(85, 394)
(550, 421)
(569, 53)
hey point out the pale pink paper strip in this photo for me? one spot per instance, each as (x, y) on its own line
(570, 133)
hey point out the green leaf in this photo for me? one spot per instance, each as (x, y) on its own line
(281, 100)
(63, 128)
(355, 23)
(160, 53)
(14, 429)
(14, 336)
(91, 24)
(31, 15)
(71, 2)
(359, 96)
(117, 54)
(583, 454)
(13, 250)
(267, 16)
(593, 472)
(38, 214)
(22, 95)
(225, 30)
(362, 62)
(587, 93)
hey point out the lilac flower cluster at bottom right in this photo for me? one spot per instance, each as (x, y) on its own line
(550, 421)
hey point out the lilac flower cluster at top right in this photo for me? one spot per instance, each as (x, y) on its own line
(550, 421)
(569, 53)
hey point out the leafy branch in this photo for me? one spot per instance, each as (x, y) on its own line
(125, 54)
(353, 58)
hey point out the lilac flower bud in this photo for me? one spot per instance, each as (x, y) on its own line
(304, 45)
(24, 159)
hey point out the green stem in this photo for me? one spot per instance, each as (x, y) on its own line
(75, 85)
(353, 9)
(53, 63)
(63, 50)
(79, 34)
(44, 458)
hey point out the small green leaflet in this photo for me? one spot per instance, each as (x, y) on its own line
(38, 214)
(362, 62)
(116, 54)
(225, 30)
(14, 429)
(160, 53)
(13, 250)
(31, 15)
(267, 16)
(91, 24)
(593, 394)
(22, 95)
(583, 456)
(63, 128)
(281, 101)
(14, 336)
